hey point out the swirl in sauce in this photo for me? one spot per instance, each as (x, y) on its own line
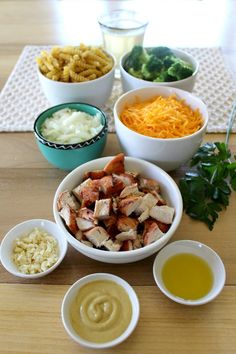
(101, 311)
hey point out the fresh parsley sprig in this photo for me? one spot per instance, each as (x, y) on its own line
(206, 187)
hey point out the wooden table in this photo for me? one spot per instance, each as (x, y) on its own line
(30, 310)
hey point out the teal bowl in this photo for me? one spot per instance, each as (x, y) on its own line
(70, 156)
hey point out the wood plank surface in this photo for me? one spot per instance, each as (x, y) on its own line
(31, 324)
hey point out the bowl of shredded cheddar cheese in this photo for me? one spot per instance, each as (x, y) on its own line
(163, 125)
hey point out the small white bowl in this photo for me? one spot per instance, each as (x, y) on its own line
(130, 82)
(6, 250)
(95, 92)
(200, 250)
(72, 292)
(168, 154)
(169, 190)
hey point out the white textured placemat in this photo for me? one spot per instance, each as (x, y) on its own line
(21, 99)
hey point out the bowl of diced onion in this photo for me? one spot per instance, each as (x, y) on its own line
(71, 134)
(33, 248)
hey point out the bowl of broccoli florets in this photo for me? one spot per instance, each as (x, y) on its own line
(154, 66)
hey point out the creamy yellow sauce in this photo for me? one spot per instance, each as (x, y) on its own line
(101, 311)
(187, 276)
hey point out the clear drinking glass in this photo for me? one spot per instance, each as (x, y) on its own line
(121, 30)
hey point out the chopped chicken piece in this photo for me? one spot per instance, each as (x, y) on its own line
(97, 174)
(79, 235)
(102, 209)
(116, 165)
(151, 232)
(138, 242)
(125, 178)
(144, 216)
(67, 197)
(130, 190)
(85, 219)
(107, 185)
(160, 199)
(77, 191)
(69, 216)
(148, 184)
(162, 213)
(113, 246)
(87, 192)
(97, 236)
(128, 205)
(115, 205)
(111, 225)
(87, 243)
(147, 202)
(127, 246)
(126, 223)
(127, 235)
(163, 227)
(84, 224)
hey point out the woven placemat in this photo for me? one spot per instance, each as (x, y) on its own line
(22, 99)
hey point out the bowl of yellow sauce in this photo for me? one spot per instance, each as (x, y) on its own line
(100, 310)
(189, 272)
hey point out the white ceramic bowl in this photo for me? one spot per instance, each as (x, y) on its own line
(6, 249)
(200, 250)
(95, 92)
(169, 190)
(168, 154)
(130, 82)
(72, 292)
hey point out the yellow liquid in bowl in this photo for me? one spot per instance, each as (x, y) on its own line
(187, 276)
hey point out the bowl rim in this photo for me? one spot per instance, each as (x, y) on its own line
(169, 90)
(131, 294)
(85, 83)
(113, 254)
(72, 146)
(49, 270)
(193, 59)
(192, 244)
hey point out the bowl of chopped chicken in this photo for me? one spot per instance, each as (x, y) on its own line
(33, 248)
(118, 209)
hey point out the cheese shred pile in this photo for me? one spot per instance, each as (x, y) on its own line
(162, 117)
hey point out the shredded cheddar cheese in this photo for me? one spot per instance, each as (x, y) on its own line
(162, 117)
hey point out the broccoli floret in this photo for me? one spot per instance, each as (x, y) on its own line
(164, 77)
(136, 73)
(160, 52)
(180, 70)
(169, 60)
(137, 57)
(151, 68)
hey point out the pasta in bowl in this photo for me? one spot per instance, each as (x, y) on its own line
(163, 125)
(76, 74)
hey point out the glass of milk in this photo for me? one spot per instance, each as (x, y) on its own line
(121, 30)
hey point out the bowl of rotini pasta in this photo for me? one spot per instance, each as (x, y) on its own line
(76, 74)
(71, 134)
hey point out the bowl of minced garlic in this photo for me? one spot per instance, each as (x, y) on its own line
(33, 248)
(100, 311)
(163, 125)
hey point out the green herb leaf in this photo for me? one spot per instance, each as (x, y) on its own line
(206, 187)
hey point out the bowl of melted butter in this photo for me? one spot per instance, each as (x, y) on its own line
(100, 310)
(189, 272)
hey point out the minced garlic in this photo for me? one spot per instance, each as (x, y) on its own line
(35, 252)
